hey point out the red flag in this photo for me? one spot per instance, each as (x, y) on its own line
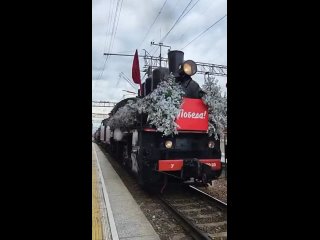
(136, 70)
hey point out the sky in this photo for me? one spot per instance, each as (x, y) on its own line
(122, 26)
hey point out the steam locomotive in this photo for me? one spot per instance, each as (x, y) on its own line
(191, 155)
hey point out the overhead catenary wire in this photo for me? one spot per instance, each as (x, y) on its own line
(153, 23)
(203, 32)
(129, 83)
(108, 33)
(128, 80)
(114, 24)
(190, 9)
(117, 24)
(176, 22)
(113, 33)
(186, 14)
(155, 50)
(110, 12)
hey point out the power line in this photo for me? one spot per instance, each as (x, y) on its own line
(113, 33)
(108, 33)
(153, 23)
(114, 23)
(203, 32)
(177, 21)
(154, 50)
(117, 24)
(128, 80)
(190, 9)
(182, 15)
(102, 70)
(185, 15)
(108, 28)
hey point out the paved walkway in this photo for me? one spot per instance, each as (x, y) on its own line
(130, 222)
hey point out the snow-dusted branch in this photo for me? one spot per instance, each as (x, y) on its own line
(163, 106)
(217, 106)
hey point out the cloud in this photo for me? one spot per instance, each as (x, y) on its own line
(135, 19)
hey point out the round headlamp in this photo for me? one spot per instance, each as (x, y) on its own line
(211, 144)
(168, 144)
(189, 67)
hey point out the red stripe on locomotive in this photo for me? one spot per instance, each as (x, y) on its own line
(177, 164)
(214, 163)
(170, 165)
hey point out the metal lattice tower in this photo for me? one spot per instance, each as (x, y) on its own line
(99, 115)
(151, 62)
(103, 104)
(106, 104)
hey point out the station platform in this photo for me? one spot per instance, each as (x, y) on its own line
(119, 216)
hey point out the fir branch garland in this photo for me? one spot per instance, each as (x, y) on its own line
(217, 106)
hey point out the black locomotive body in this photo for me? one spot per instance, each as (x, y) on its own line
(190, 155)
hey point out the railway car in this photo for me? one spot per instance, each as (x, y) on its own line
(190, 155)
(96, 136)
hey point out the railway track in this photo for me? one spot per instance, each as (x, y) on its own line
(224, 169)
(201, 215)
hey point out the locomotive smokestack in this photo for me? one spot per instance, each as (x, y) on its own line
(175, 58)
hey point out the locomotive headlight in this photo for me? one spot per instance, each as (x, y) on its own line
(168, 144)
(189, 67)
(211, 144)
